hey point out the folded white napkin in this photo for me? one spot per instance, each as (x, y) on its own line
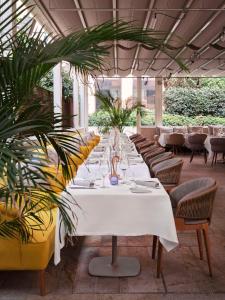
(82, 182)
(99, 149)
(96, 154)
(139, 190)
(135, 160)
(151, 184)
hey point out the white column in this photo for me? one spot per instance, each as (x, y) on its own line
(158, 101)
(126, 88)
(86, 107)
(82, 103)
(75, 102)
(139, 98)
(57, 89)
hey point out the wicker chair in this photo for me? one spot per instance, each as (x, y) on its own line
(192, 203)
(148, 149)
(139, 139)
(144, 145)
(176, 141)
(168, 172)
(195, 142)
(217, 146)
(134, 136)
(158, 159)
(153, 152)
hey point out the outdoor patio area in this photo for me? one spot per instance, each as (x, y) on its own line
(112, 149)
(184, 276)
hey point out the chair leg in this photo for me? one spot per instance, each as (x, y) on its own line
(159, 260)
(213, 159)
(205, 156)
(207, 247)
(154, 246)
(42, 285)
(199, 238)
(192, 155)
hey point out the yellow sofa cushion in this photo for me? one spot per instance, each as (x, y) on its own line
(34, 255)
(85, 150)
(57, 181)
(76, 159)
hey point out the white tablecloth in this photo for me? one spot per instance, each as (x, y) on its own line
(163, 139)
(115, 210)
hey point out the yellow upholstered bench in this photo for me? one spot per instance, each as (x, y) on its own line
(34, 255)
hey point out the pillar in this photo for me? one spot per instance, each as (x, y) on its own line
(57, 89)
(158, 100)
(75, 101)
(139, 98)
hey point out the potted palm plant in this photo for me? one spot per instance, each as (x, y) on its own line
(24, 60)
(118, 113)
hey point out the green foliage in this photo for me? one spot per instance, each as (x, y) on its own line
(194, 102)
(46, 82)
(118, 116)
(100, 119)
(195, 82)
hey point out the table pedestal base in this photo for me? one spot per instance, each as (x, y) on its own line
(124, 267)
(114, 266)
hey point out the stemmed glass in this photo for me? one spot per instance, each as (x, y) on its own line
(104, 170)
(123, 168)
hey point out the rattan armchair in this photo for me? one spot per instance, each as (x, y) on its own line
(217, 147)
(138, 140)
(148, 149)
(143, 145)
(176, 141)
(154, 151)
(134, 136)
(192, 203)
(195, 142)
(168, 172)
(159, 158)
(151, 162)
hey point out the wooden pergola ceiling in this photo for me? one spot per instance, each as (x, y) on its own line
(200, 24)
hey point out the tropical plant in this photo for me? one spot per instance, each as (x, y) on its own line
(118, 112)
(25, 58)
(67, 83)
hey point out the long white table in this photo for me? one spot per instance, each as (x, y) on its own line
(116, 211)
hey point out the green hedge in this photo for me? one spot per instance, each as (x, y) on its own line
(195, 102)
(101, 119)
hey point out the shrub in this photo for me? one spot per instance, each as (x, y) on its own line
(194, 102)
(100, 119)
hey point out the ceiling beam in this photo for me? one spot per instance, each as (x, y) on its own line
(45, 12)
(146, 22)
(80, 13)
(196, 35)
(176, 24)
(209, 61)
(114, 5)
(100, 9)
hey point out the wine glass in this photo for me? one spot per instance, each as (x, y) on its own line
(104, 170)
(123, 168)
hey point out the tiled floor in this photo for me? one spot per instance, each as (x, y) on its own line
(184, 275)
